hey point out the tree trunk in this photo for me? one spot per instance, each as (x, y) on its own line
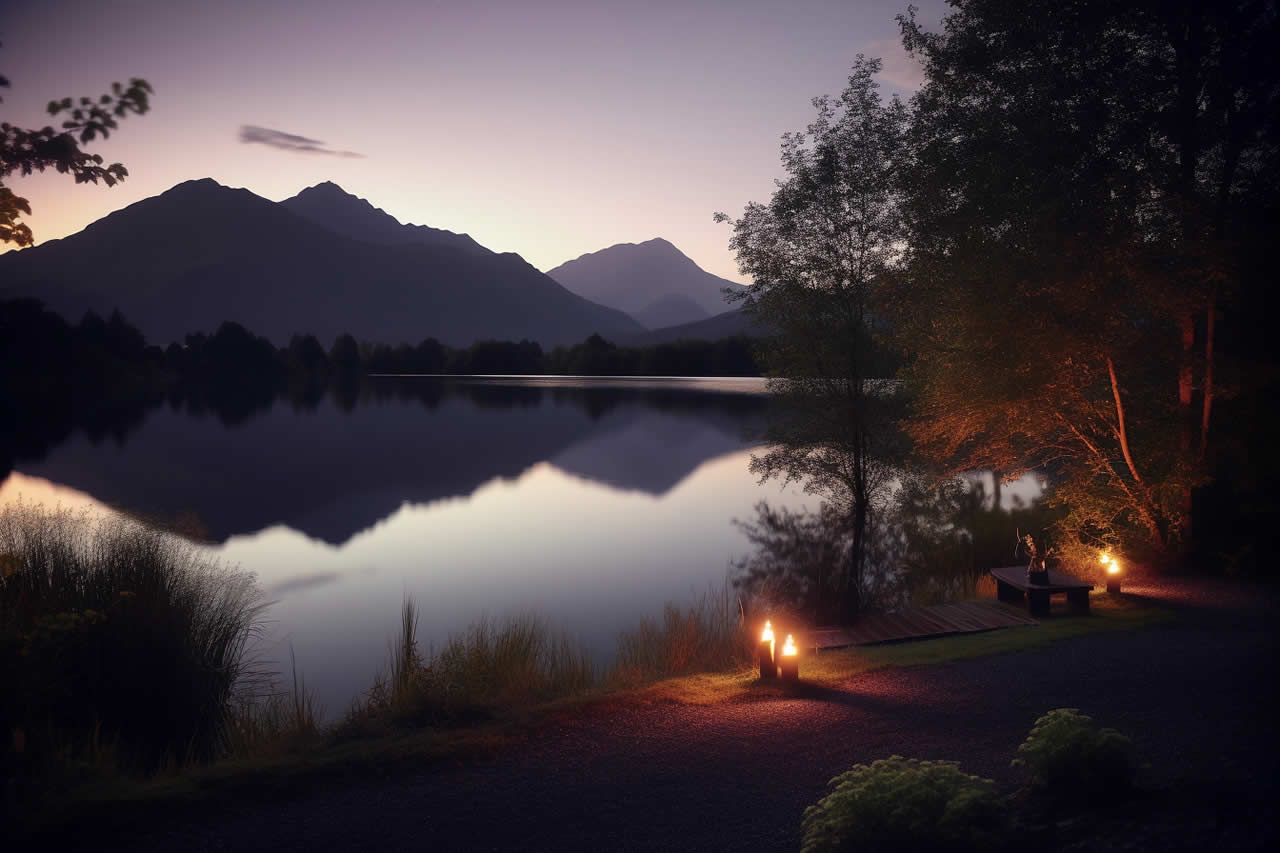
(857, 558)
(1186, 416)
(1208, 381)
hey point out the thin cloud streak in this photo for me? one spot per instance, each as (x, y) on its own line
(250, 134)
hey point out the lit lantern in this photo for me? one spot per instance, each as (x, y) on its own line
(768, 669)
(789, 661)
(1113, 572)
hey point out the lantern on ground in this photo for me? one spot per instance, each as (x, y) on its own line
(789, 661)
(1113, 572)
(768, 669)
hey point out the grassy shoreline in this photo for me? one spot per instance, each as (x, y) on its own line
(94, 606)
(118, 800)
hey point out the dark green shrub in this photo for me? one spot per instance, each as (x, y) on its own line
(115, 634)
(1069, 758)
(898, 804)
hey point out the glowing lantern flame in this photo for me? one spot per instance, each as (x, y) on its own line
(789, 647)
(1113, 568)
(767, 635)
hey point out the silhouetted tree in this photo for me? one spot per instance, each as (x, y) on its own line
(344, 355)
(25, 151)
(306, 355)
(815, 253)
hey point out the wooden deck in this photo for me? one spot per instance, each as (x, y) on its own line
(964, 617)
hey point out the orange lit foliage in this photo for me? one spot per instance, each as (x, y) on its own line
(1083, 175)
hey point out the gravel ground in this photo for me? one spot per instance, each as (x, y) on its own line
(1196, 696)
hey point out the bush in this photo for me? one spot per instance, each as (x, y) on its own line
(904, 804)
(1069, 758)
(115, 634)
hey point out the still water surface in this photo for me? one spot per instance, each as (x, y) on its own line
(587, 502)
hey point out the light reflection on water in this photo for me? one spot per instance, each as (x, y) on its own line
(585, 557)
(588, 503)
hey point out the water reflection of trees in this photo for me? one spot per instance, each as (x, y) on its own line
(32, 433)
(929, 543)
(595, 400)
(197, 451)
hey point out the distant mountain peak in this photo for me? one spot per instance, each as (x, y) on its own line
(329, 192)
(322, 263)
(196, 184)
(331, 206)
(652, 281)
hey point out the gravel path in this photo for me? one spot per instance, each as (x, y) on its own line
(1196, 697)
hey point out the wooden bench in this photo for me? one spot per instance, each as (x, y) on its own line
(1012, 586)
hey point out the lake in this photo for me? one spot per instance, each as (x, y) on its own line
(588, 502)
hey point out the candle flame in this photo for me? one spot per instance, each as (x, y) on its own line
(766, 636)
(789, 647)
(1113, 567)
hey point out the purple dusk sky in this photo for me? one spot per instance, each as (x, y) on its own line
(545, 127)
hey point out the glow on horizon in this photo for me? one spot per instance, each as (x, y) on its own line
(551, 130)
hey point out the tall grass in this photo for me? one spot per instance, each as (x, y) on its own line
(708, 635)
(518, 662)
(273, 722)
(487, 667)
(112, 632)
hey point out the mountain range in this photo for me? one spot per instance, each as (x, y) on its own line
(653, 281)
(323, 262)
(724, 325)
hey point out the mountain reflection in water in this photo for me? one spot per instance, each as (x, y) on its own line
(338, 468)
(589, 503)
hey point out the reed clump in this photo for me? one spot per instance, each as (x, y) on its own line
(490, 666)
(709, 635)
(270, 721)
(118, 634)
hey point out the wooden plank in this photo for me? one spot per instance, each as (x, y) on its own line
(913, 623)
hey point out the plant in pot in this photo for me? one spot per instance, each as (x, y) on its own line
(1037, 562)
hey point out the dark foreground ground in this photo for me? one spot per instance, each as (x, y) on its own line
(1196, 696)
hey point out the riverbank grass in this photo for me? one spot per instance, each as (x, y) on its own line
(119, 644)
(500, 683)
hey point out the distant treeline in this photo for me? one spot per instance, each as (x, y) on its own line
(38, 344)
(101, 375)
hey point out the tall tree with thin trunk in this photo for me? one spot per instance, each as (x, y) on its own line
(816, 254)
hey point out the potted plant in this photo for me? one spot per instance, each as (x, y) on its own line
(1037, 563)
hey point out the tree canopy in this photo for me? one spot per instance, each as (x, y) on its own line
(816, 253)
(1082, 176)
(85, 119)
